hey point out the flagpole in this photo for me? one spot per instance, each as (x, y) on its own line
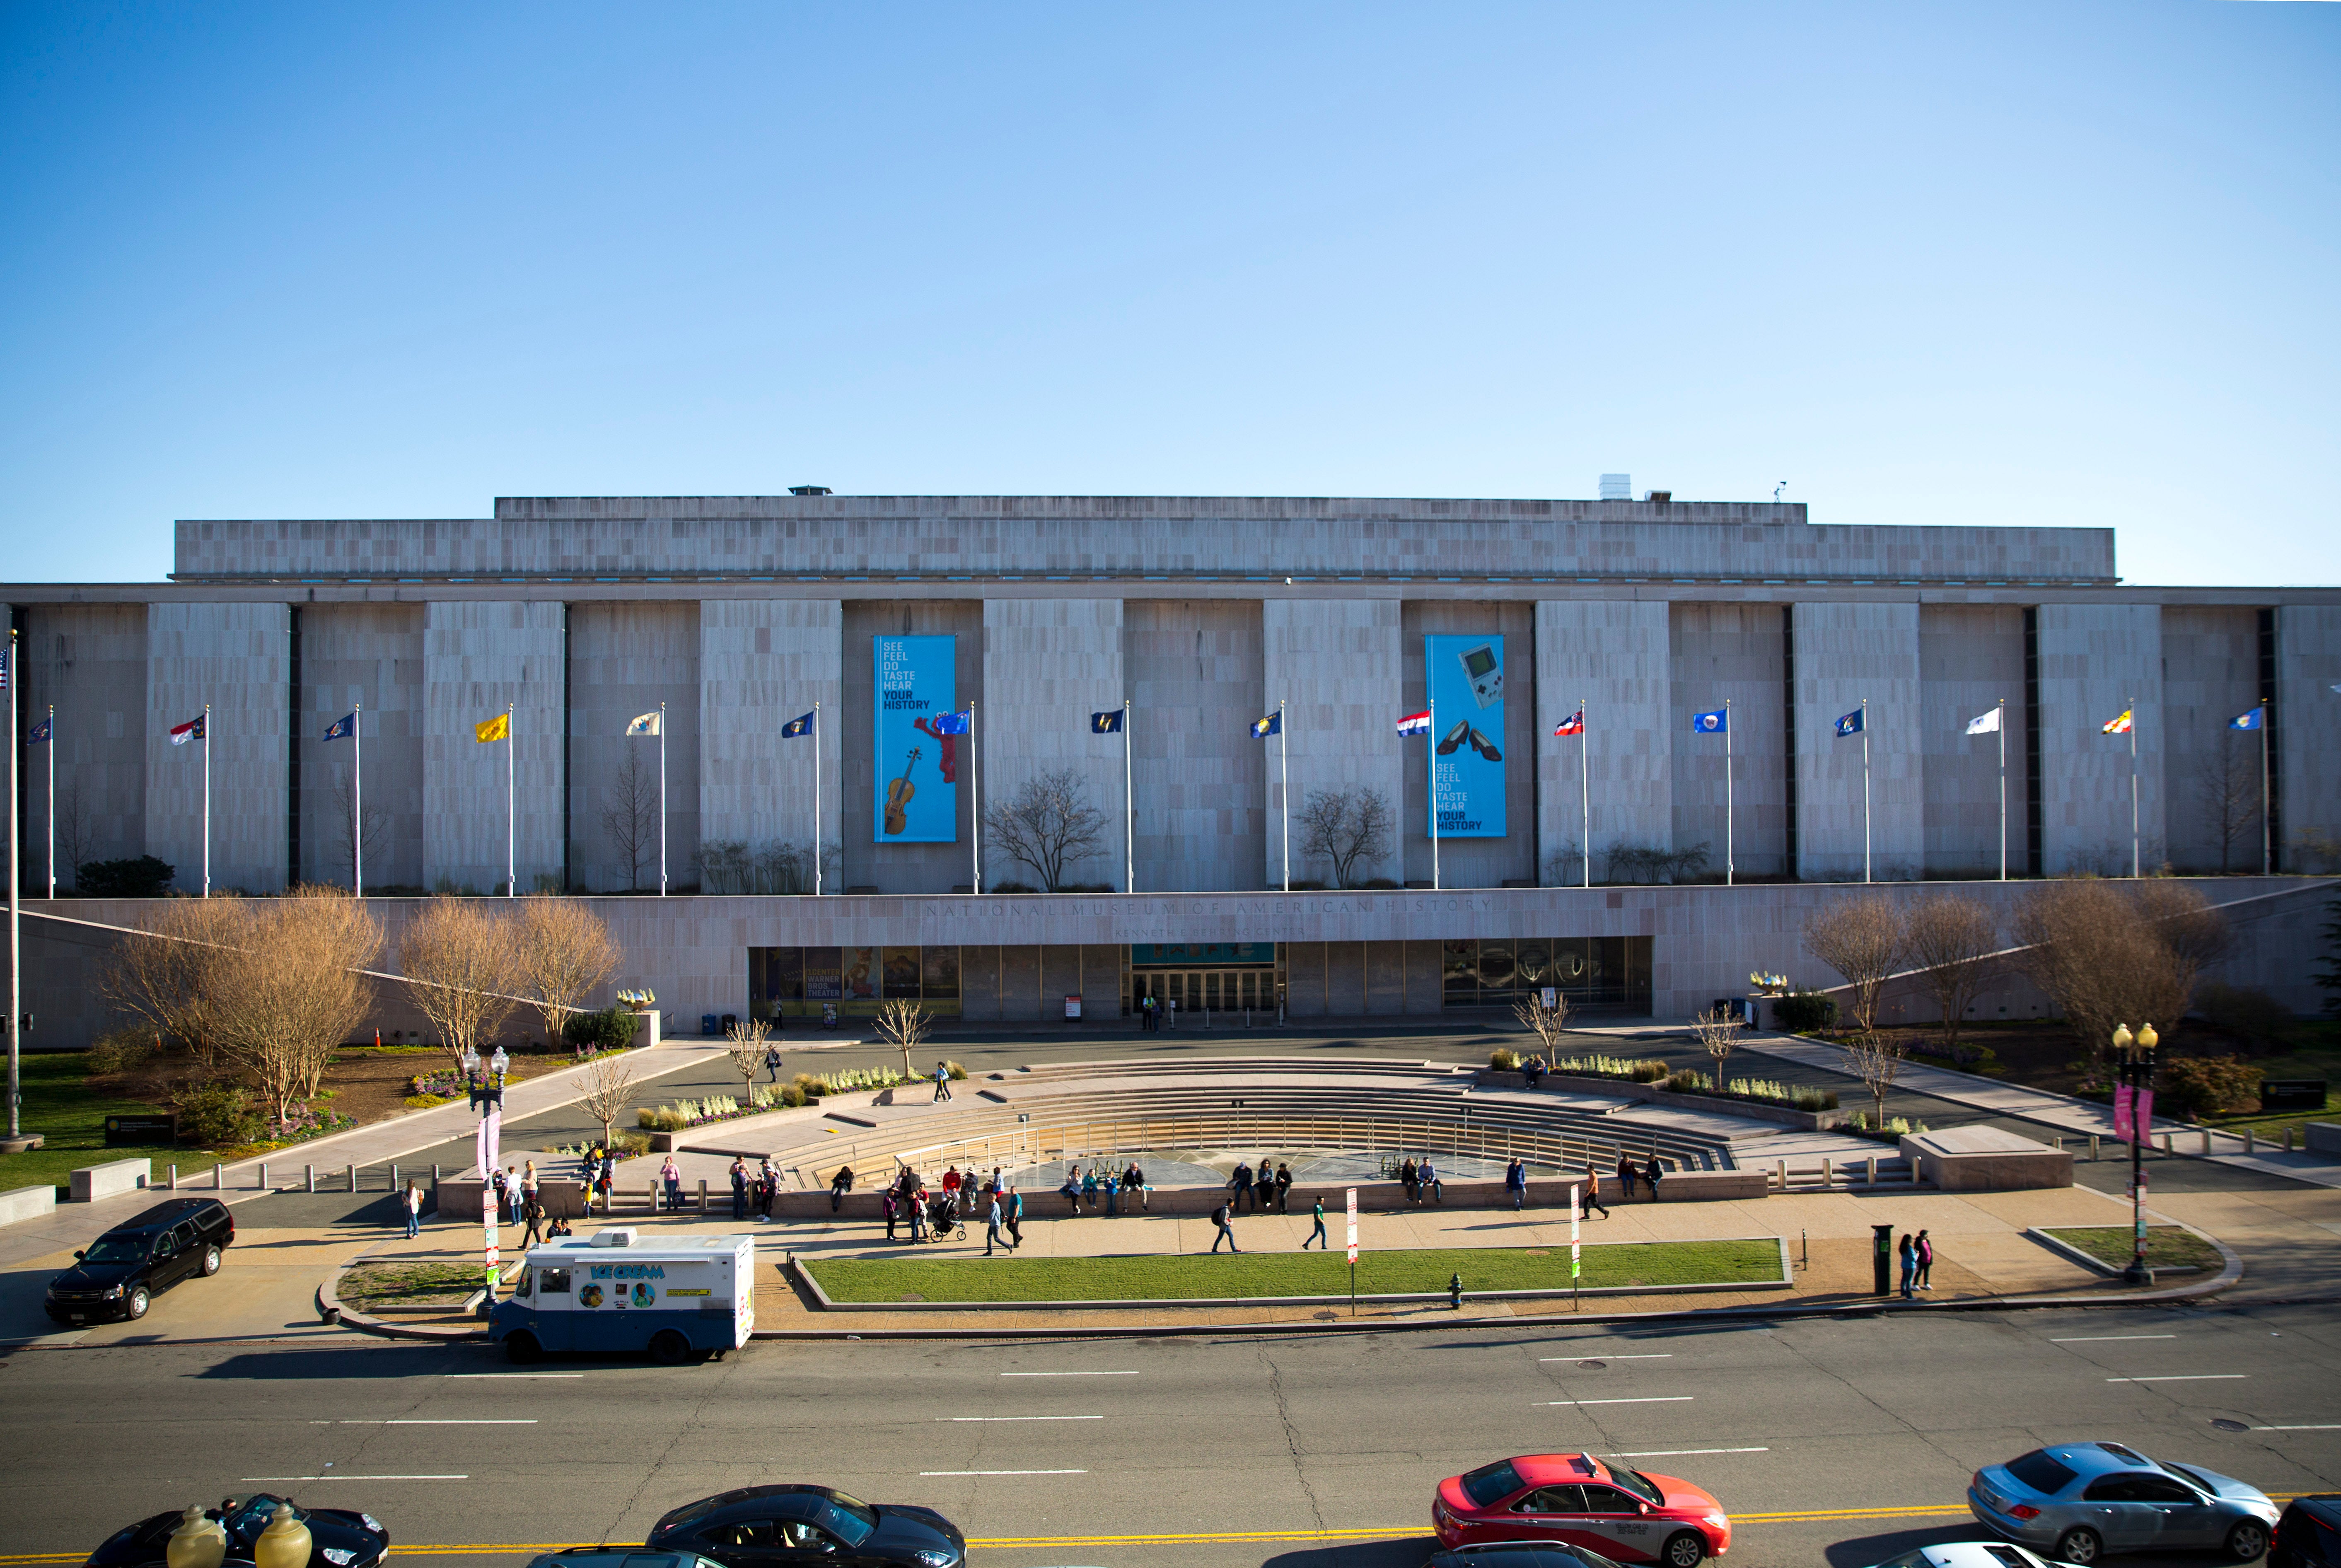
(1865, 789)
(1728, 862)
(975, 799)
(1585, 789)
(512, 810)
(2133, 789)
(357, 801)
(816, 800)
(16, 959)
(2002, 789)
(2267, 837)
(1284, 801)
(662, 799)
(53, 796)
(1431, 752)
(207, 799)
(1129, 811)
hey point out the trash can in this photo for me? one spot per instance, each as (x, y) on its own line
(729, 1020)
(707, 1024)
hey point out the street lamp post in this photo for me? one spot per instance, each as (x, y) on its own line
(2133, 1067)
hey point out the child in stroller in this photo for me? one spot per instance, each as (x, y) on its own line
(943, 1213)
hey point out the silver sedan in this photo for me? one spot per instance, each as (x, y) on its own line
(2079, 1501)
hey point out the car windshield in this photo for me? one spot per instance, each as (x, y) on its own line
(116, 1249)
(2197, 1477)
(254, 1514)
(2041, 1472)
(1589, 1557)
(1640, 1484)
(1491, 1483)
(849, 1520)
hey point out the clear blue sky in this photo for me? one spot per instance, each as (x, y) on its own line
(1965, 264)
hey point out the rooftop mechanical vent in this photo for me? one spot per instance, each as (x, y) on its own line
(809, 490)
(1616, 487)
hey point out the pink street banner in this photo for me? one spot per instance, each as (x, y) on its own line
(2121, 1113)
(2142, 1114)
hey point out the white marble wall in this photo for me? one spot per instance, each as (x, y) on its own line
(478, 656)
(1971, 658)
(1611, 657)
(2308, 734)
(1846, 653)
(624, 660)
(369, 654)
(762, 662)
(1048, 665)
(234, 657)
(1194, 672)
(2211, 673)
(1335, 664)
(2095, 661)
(90, 662)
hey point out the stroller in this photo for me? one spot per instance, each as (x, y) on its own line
(943, 1215)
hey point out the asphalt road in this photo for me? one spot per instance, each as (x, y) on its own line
(1834, 1441)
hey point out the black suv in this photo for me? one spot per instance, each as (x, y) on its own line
(124, 1268)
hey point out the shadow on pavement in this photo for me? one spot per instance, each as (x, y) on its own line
(1406, 1553)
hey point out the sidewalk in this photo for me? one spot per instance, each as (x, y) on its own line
(2063, 1113)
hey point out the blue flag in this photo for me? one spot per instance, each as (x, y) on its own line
(949, 723)
(1851, 724)
(2253, 720)
(1710, 723)
(343, 728)
(1271, 725)
(40, 734)
(799, 725)
(1106, 723)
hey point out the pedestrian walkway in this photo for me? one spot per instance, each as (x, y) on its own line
(2064, 1113)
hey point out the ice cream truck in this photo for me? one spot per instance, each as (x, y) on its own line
(613, 1291)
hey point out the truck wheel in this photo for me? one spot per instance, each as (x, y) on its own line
(668, 1347)
(521, 1348)
(211, 1262)
(137, 1305)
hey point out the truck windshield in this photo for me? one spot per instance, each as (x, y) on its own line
(116, 1249)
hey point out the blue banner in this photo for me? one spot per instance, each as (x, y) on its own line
(1464, 678)
(917, 770)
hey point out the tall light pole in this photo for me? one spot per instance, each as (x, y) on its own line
(2134, 1065)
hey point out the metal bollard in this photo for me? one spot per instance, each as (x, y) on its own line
(435, 1172)
(2166, 1146)
(354, 1178)
(2206, 1143)
(393, 1178)
(703, 1195)
(1783, 1166)
(309, 1175)
(2057, 1143)
(2250, 1145)
(1873, 1171)
(2093, 1146)
(2287, 1140)
(262, 1183)
(175, 1178)
(1828, 1173)
(217, 1177)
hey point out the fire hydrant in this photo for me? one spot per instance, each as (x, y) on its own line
(1455, 1292)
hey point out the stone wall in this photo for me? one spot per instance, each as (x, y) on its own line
(2095, 661)
(1193, 668)
(1336, 665)
(762, 662)
(1847, 654)
(1048, 665)
(477, 658)
(233, 659)
(89, 661)
(1611, 659)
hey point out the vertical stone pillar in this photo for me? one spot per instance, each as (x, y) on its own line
(1611, 657)
(477, 656)
(1335, 664)
(236, 658)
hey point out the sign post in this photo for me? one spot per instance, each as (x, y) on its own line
(1354, 1252)
(1576, 1252)
(488, 1230)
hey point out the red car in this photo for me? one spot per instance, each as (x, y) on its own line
(1577, 1499)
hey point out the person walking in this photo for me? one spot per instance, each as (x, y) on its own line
(1240, 1183)
(1426, 1177)
(771, 1063)
(1628, 1175)
(943, 1081)
(532, 1209)
(918, 1207)
(511, 1194)
(1926, 1262)
(1516, 1183)
(991, 1227)
(1015, 1219)
(1908, 1249)
(739, 1187)
(1318, 1233)
(413, 1204)
(609, 1179)
(527, 1183)
(1220, 1217)
(890, 1206)
(839, 1186)
(1651, 1173)
(1593, 1190)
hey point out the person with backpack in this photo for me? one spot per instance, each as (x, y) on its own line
(1220, 1217)
(771, 1063)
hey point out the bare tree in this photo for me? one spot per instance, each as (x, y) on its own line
(372, 830)
(291, 988)
(903, 1026)
(1718, 1031)
(1877, 1061)
(462, 962)
(77, 835)
(1863, 940)
(745, 1042)
(630, 813)
(608, 1090)
(2106, 954)
(1346, 827)
(2226, 788)
(1048, 826)
(1547, 1023)
(164, 978)
(562, 953)
(1953, 942)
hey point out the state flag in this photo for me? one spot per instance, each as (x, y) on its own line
(1415, 724)
(1987, 723)
(1106, 723)
(1710, 723)
(2254, 719)
(496, 729)
(951, 723)
(649, 723)
(343, 728)
(799, 725)
(2118, 727)
(1572, 726)
(41, 732)
(192, 730)
(1852, 724)
(1264, 727)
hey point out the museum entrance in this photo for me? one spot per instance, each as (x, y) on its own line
(1208, 978)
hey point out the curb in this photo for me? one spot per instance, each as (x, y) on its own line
(330, 1308)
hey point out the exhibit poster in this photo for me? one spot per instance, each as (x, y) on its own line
(917, 770)
(1464, 678)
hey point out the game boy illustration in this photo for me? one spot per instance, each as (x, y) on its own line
(1483, 667)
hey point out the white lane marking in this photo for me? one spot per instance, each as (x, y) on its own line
(1051, 1375)
(510, 1375)
(1003, 1473)
(1020, 1418)
(2102, 1338)
(357, 1478)
(1655, 1399)
(1603, 1355)
(1674, 1453)
(2186, 1377)
(2337, 1427)
(507, 1421)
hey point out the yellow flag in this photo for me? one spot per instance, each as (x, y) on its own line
(495, 729)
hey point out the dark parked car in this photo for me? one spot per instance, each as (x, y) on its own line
(124, 1269)
(782, 1526)
(1521, 1554)
(337, 1537)
(621, 1557)
(2308, 1535)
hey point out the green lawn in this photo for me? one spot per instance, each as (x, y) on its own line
(72, 1119)
(2166, 1246)
(409, 1285)
(1310, 1273)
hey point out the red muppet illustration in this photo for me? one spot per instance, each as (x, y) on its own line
(946, 749)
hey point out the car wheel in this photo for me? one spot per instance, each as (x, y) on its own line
(668, 1347)
(2247, 1542)
(2079, 1545)
(137, 1305)
(521, 1348)
(1684, 1549)
(211, 1262)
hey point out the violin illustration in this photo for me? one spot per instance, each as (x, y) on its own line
(898, 792)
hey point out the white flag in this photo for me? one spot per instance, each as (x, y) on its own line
(644, 723)
(1986, 725)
